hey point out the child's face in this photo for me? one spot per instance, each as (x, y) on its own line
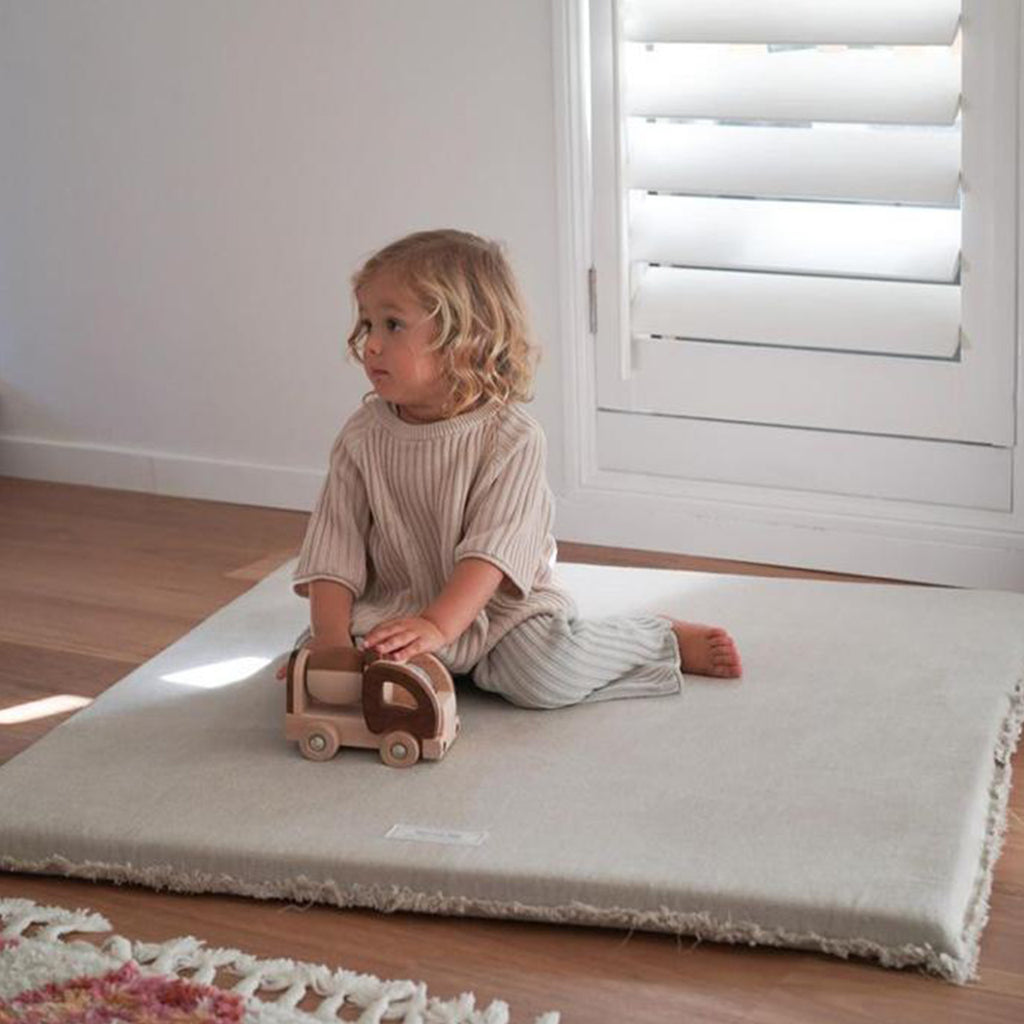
(395, 354)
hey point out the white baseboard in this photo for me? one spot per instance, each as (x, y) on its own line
(918, 552)
(179, 476)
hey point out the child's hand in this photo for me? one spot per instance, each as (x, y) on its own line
(315, 644)
(401, 639)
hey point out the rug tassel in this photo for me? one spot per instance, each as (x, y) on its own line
(21, 914)
(403, 1000)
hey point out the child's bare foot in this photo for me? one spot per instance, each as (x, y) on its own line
(706, 650)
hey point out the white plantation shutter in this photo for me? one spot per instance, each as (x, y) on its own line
(801, 217)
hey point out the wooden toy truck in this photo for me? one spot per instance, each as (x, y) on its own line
(347, 697)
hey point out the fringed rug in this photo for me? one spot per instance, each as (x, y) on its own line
(46, 978)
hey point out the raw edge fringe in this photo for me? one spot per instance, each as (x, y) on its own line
(391, 898)
(379, 999)
(976, 916)
(958, 970)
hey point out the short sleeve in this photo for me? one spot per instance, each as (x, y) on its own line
(509, 516)
(334, 547)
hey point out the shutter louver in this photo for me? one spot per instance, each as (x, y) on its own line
(793, 173)
(866, 22)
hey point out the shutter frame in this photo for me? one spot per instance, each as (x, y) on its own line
(626, 373)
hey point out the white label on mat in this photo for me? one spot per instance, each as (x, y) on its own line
(422, 834)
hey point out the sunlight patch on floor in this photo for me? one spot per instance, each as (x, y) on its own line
(33, 709)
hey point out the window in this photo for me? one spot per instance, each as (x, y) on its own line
(804, 243)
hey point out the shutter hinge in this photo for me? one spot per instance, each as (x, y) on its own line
(592, 289)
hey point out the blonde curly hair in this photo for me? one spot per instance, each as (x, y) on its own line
(483, 334)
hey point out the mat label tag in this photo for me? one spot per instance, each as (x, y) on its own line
(450, 836)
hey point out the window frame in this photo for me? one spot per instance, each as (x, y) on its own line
(902, 539)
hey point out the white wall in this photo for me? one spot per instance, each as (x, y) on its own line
(187, 187)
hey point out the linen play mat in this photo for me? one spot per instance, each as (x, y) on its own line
(848, 794)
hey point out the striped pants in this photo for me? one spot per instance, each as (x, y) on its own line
(551, 660)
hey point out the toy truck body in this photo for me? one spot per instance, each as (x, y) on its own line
(346, 697)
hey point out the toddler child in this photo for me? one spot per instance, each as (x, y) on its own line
(432, 533)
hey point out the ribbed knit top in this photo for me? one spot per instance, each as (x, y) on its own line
(403, 502)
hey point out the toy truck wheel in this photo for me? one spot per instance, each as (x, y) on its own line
(318, 743)
(400, 749)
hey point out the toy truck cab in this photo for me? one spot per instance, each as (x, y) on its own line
(346, 697)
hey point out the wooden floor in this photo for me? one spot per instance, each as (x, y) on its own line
(93, 582)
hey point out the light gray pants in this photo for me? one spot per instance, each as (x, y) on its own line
(551, 660)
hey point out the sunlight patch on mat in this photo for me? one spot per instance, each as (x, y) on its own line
(218, 673)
